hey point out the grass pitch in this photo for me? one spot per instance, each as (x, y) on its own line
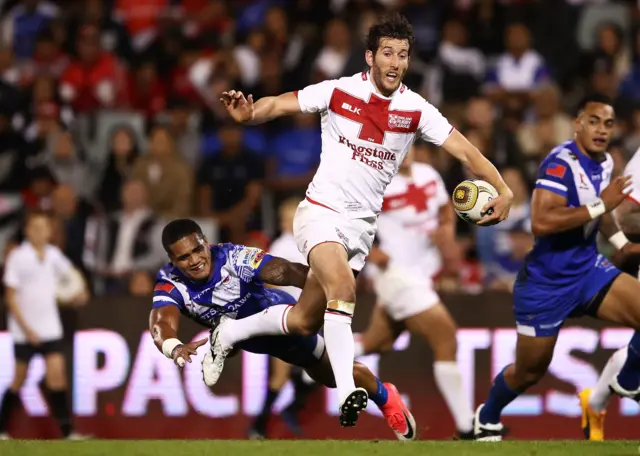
(313, 448)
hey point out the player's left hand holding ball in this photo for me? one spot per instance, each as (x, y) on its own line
(501, 207)
(182, 353)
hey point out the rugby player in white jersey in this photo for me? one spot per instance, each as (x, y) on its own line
(416, 238)
(369, 121)
(32, 274)
(594, 401)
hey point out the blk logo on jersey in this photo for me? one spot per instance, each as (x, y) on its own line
(350, 108)
(556, 170)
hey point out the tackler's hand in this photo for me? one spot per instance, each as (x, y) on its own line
(497, 209)
(182, 353)
(616, 192)
(238, 107)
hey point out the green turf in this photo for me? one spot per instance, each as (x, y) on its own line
(314, 448)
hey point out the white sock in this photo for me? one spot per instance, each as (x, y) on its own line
(449, 381)
(338, 339)
(271, 321)
(600, 394)
(358, 349)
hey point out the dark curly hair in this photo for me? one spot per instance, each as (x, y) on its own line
(396, 26)
(593, 98)
(178, 229)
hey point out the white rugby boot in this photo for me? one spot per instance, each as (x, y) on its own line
(486, 432)
(213, 361)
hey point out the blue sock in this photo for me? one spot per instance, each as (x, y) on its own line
(500, 396)
(381, 395)
(629, 375)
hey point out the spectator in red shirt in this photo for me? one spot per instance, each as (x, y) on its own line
(48, 60)
(146, 93)
(181, 77)
(204, 16)
(113, 35)
(140, 17)
(96, 79)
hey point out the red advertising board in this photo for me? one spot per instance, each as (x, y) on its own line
(124, 388)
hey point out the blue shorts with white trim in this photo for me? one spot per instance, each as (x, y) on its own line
(541, 309)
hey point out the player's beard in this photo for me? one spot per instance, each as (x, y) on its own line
(384, 86)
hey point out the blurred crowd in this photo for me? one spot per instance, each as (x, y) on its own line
(110, 119)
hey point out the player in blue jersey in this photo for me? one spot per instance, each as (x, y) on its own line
(564, 276)
(206, 283)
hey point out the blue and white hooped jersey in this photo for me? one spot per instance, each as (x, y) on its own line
(561, 258)
(235, 289)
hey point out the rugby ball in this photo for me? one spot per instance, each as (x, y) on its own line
(470, 196)
(70, 286)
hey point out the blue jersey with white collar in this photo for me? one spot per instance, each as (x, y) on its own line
(562, 258)
(235, 289)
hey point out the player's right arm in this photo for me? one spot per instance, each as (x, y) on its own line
(313, 98)
(164, 321)
(549, 211)
(444, 238)
(11, 283)
(436, 129)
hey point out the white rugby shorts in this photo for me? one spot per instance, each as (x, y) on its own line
(316, 224)
(411, 301)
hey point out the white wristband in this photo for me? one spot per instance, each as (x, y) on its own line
(596, 208)
(169, 345)
(619, 240)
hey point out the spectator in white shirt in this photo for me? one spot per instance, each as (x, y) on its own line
(32, 276)
(129, 240)
(517, 72)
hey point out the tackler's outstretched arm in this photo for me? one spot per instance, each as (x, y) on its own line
(163, 324)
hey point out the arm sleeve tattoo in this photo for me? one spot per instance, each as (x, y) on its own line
(281, 272)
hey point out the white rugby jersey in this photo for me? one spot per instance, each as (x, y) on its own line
(35, 281)
(365, 137)
(633, 169)
(410, 213)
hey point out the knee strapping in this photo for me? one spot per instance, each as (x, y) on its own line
(344, 308)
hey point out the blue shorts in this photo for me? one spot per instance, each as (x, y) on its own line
(302, 351)
(541, 309)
